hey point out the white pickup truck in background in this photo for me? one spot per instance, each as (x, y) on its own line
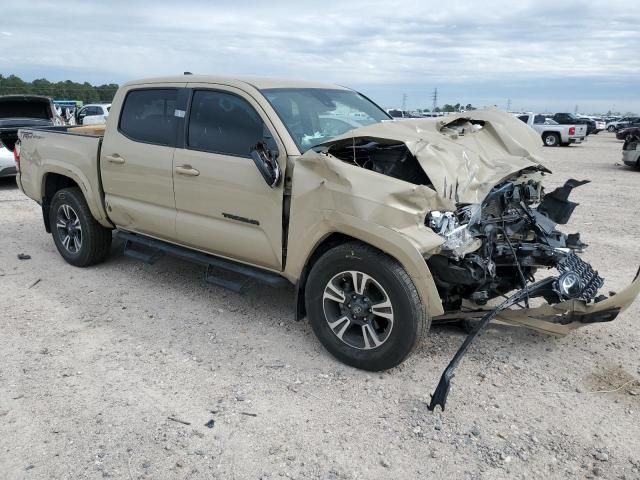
(552, 133)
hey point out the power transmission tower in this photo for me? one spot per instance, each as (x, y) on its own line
(434, 97)
(404, 102)
(508, 104)
(575, 110)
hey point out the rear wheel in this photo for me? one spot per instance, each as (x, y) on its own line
(79, 238)
(611, 128)
(551, 139)
(364, 308)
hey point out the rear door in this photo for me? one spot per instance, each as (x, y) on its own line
(137, 161)
(223, 204)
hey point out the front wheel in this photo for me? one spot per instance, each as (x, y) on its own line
(79, 238)
(611, 128)
(364, 308)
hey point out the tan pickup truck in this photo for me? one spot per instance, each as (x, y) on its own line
(382, 226)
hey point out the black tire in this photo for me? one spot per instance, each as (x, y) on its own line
(95, 240)
(409, 314)
(611, 128)
(550, 139)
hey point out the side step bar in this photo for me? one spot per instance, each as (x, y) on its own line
(148, 250)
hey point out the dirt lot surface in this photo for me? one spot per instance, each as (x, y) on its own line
(119, 370)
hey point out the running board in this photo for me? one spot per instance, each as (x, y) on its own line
(146, 257)
(149, 250)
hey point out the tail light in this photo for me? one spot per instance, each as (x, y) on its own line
(16, 155)
(572, 130)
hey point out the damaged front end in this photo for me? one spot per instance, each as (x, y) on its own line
(496, 226)
(497, 246)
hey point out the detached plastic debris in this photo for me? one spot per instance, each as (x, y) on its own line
(24, 256)
(210, 423)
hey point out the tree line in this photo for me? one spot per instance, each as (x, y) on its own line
(67, 90)
(450, 108)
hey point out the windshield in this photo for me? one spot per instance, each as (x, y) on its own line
(315, 115)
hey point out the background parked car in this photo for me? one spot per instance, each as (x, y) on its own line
(93, 114)
(552, 133)
(7, 162)
(629, 131)
(571, 119)
(17, 111)
(631, 152)
(620, 123)
(598, 124)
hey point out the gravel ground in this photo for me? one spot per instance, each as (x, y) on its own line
(127, 370)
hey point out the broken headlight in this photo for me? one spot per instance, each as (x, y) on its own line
(458, 239)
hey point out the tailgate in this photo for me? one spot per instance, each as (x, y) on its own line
(581, 131)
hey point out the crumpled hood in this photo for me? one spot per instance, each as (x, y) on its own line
(463, 160)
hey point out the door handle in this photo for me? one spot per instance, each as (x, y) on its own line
(115, 158)
(187, 170)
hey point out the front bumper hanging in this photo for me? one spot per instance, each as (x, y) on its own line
(559, 318)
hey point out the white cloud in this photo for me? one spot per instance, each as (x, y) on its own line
(357, 42)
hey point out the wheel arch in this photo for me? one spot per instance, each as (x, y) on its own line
(413, 263)
(551, 132)
(54, 180)
(51, 184)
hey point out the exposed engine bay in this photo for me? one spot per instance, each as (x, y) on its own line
(393, 159)
(493, 248)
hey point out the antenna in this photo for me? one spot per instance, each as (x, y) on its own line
(434, 97)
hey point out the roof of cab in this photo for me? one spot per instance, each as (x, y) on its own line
(258, 83)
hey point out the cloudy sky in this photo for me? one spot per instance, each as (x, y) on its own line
(543, 55)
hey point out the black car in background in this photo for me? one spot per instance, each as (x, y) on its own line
(571, 119)
(18, 111)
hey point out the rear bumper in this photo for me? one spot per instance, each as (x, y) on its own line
(576, 140)
(10, 171)
(630, 157)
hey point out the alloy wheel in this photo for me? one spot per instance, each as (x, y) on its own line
(358, 310)
(69, 228)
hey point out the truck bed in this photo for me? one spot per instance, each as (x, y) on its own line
(73, 152)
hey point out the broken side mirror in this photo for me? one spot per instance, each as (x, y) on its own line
(267, 162)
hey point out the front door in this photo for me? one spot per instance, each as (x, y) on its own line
(137, 162)
(223, 204)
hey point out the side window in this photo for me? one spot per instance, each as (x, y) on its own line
(94, 111)
(524, 118)
(148, 116)
(539, 119)
(223, 123)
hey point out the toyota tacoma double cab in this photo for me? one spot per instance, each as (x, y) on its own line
(382, 226)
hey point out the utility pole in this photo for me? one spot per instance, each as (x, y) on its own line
(404, 102)
(434, 97)
(508, 104)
